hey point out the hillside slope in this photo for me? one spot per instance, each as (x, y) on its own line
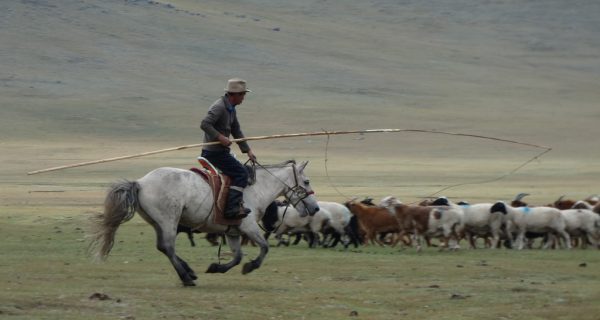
(147, 70)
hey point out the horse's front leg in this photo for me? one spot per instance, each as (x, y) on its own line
(251, 230)
(234, 242)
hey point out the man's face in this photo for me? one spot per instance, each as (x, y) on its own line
(237, 98)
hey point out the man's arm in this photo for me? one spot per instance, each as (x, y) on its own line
(237, 133)
(208, 123)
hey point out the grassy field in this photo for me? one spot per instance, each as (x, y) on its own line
(46, 275)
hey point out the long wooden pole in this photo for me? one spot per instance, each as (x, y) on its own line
(279, 136)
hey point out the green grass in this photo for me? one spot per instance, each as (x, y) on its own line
(46, 275)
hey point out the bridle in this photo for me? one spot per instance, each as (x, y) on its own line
(298, 190)
(294, 194)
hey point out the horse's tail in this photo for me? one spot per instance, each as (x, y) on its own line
(119, 206)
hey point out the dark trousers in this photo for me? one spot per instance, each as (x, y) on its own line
(225, 162)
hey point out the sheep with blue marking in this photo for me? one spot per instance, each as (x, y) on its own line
(537, 219)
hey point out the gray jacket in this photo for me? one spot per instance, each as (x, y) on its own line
(221, 120)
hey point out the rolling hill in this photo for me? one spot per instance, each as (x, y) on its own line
(142, 73)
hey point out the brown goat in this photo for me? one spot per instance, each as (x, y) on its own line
(374, 220)
(413, 219)
(562, 204)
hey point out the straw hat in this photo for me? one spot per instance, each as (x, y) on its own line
(236, 85)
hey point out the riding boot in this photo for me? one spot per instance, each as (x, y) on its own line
(234, 208)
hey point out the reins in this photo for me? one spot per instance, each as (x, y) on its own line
(287, 206)
(295, 189)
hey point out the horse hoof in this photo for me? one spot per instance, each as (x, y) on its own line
(213, 268)
(216, 268)
(193, 275)
(248, 267)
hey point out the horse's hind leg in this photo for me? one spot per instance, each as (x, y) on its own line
(234, 244)
(165, 243)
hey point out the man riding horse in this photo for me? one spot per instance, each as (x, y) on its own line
(221, 122)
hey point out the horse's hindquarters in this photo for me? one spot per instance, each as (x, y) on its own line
(169, 196)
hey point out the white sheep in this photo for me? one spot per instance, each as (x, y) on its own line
(430, 221)
(290, 221)
(537, 219)
(583, 223)
(477, 220)
(449, 223)
(338, 220)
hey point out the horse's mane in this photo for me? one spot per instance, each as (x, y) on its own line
(279, 165)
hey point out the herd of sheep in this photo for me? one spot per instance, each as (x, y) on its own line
(564, 223)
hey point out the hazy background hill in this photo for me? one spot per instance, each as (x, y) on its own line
(77, 76)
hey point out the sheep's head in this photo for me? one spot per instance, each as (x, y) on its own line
(426, 202)
(581, 205)
(593, 199)
(351, 203)
(368, 201)
(441, 201)
(389, 201)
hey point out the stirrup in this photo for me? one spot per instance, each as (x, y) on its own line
(242, 213)
(237, 216)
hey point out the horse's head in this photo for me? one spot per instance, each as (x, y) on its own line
(301, 194)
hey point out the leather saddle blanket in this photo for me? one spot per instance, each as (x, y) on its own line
(219, 184)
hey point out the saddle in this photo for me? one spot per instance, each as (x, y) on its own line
(219, 184)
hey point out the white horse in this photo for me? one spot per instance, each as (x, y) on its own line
(166, 197)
